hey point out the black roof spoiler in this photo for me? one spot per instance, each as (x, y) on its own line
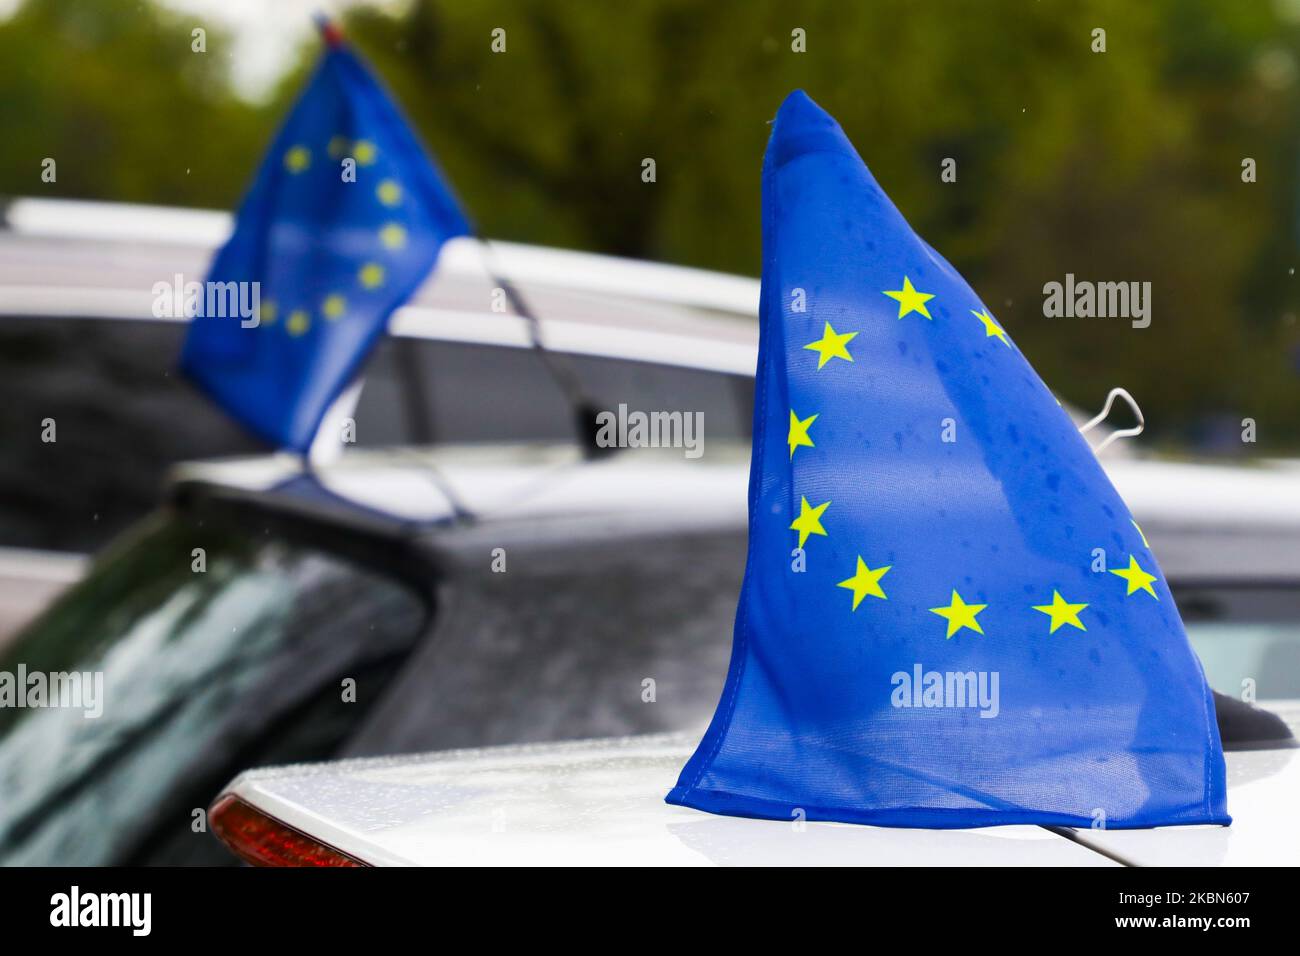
(1244, 726)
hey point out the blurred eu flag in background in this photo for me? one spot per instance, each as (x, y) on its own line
(925, 636)
(333, 258)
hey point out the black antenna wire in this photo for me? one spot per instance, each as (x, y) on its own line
(584, 410)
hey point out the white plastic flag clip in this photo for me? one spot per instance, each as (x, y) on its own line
(1130, 432)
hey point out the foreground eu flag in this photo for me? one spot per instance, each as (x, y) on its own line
(926, 636)
(333, 257)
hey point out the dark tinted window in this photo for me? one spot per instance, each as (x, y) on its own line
(480, 393)
(726, 401)
(386, 412)
(477, 393)
(121, 415)
(1248, 638)
(203, 675)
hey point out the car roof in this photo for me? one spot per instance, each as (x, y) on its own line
(422, 490)
(591, 803)
(64, 257)
(602, 802)
(403, 482)
(98, 259)
(1206, 523)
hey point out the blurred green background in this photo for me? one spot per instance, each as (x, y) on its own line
(1122, 166)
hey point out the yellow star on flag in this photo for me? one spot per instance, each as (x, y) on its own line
(371, 275)
(298, 322)
(865, 581)
(338, 147)
(334, 306)
(389, 193)
(991, 328)
(297, 158)
(831, 345)
(393, 235)
(363, 151)
(1062, 612)
(909, 300)
(799, 432)
(1138, 579)
(959, 614)
(809, 520)
(267, 312)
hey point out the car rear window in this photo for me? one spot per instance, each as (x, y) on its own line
(221, 646)
(92, 413)
(1247, 636)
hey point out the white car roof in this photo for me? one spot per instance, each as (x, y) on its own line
(602, 802)
(63, 257)
(1207, 523)
(205, 229)
(96, 259)
(588, 803)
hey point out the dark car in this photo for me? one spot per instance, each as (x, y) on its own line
(406, 601)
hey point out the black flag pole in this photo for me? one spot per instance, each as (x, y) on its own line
(583, 408)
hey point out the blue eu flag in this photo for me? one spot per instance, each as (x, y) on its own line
(335, 246)
(927, 635)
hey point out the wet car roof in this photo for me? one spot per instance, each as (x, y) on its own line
(1205, 521)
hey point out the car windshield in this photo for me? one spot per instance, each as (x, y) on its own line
(1248, 637)
(216, 645)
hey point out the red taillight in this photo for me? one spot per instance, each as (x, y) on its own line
(263, 841)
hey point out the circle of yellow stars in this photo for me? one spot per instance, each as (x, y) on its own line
(959, 614)
(392, 235)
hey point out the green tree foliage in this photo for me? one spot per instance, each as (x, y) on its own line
(111, 90)
(1122, 165)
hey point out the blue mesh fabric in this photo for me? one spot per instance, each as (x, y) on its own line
(992, 673)
(333, 257)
